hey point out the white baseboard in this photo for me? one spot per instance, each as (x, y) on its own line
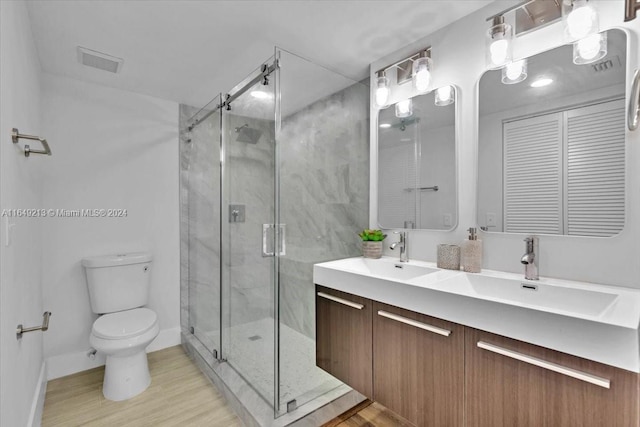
(37, 406)
(166, 338)
(71, 363)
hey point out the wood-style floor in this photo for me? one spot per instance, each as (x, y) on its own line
(179, 395)
(368, 414)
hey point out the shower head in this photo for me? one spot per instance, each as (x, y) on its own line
(247, 134)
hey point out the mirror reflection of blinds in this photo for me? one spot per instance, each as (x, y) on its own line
(533, 175)
(579, 153)
(595, 169)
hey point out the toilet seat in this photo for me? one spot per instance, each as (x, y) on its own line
(124, 324)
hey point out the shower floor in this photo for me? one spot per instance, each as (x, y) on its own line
(250, 353)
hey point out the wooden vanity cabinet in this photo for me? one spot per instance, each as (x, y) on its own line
(505, 388)
(418, 366)
(436, 373)
(343, 338)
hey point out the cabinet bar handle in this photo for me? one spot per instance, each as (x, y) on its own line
(420, 325)
(583, 376)
(341, 301)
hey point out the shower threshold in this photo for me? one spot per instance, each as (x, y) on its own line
(249, 392)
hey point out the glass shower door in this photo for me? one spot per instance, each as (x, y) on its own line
(248, 217)
(322, 170)
(200, 193)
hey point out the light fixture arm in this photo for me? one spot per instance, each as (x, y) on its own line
(630, 9)
(498, 27)
(405, 65)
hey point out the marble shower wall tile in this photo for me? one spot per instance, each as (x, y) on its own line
(324, 194)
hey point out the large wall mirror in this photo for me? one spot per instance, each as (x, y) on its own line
(417, 162)
(551, 146)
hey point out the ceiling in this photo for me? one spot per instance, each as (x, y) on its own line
(187, 51)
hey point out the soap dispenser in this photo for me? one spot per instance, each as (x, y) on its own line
(471, 256)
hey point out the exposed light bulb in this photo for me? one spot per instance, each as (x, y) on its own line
(590, 49)
(382, 91)
(422, 74)
(404, 108)
(499, 43)
(514, 72)
(423, 78)
(444, 96)
(499, 51)
(589, 46)
(582, 20)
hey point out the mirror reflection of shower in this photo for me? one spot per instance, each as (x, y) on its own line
(247, 134)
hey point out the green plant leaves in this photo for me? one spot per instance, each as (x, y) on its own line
(372, 235)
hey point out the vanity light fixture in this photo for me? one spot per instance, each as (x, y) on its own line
(580, 19)
(499, 42)
(404, 108)
(416, 68)
(542, 82)
(421, 71)
(514, 72)
(590, 49)
(630, 10)
(382, 89)
(445, 95)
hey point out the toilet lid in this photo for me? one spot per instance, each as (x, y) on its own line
(124, 324)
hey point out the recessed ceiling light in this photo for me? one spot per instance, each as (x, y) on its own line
(542, 82)
(261, 95)
(385, 125)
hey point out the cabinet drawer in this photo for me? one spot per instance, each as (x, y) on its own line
(343, 338)
(512, 383)
(418, 366)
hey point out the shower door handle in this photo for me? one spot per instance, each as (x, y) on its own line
(265, 240)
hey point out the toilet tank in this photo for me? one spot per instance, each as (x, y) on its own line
(118, 282)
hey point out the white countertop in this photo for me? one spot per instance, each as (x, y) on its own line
(592, 321)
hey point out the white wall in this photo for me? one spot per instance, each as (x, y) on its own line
(21, 362)
(112, 150)
(458, 54)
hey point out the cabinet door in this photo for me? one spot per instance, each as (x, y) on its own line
(343, 338)
(506, 388)
(418, 366)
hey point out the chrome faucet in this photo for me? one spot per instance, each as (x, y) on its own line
(402, 243)
(530, 258)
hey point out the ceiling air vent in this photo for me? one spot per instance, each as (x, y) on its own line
(99, 60)
(607, 64)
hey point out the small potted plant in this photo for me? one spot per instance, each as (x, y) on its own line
(372, 243)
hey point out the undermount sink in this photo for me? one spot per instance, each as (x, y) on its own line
(387, 268)
(548, 296)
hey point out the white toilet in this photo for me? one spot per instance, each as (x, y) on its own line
(118, 290)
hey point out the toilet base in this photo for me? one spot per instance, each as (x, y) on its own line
(126, 377)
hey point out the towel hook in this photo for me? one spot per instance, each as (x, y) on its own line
(16, 135)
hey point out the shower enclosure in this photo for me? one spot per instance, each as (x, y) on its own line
(274, 178)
